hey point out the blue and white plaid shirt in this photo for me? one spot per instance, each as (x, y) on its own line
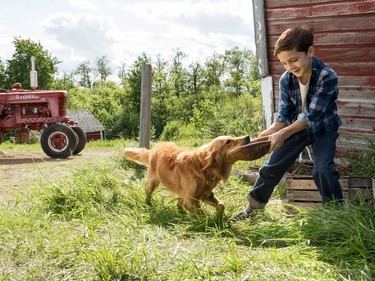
(321, 113)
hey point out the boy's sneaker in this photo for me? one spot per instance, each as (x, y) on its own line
(244, 214)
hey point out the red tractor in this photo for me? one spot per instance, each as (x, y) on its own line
(43, 111)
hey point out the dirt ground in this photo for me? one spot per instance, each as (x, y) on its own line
(19, 171)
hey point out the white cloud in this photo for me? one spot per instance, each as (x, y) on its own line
(78, 30)
(167, 10)
(83, 35)
(83, 4)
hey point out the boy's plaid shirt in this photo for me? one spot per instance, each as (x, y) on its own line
(321, 114)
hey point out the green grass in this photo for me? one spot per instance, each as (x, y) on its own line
(94, 225)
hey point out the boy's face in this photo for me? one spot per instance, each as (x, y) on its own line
(299, 63)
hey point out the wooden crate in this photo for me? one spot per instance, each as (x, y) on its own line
(361, 188)
(302, 191)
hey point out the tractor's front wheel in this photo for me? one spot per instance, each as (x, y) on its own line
(58, 141)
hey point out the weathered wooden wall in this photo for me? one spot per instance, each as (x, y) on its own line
(344, 38)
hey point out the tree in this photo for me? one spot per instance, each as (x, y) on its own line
(66, 82)
(215, 67)
(162, 109)
(122, 73)
(84, 72)
(160, 73)
(178, 75)
(3, 75)
(238, 68)
(102, 68)
(19, 66)
(129, 121)
(133, 81)
(253, 84)
(196, 78)
(106, 105)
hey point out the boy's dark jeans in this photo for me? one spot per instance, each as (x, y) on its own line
(325, 174)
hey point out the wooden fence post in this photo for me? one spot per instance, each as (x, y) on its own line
(145, 114)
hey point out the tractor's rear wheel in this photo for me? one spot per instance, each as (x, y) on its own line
(82, 139)
(58, 141)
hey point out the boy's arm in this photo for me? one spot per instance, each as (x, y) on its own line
(275, 127)
(278, 138)
(278, 132)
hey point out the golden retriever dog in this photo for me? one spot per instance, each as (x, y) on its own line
(193, 174)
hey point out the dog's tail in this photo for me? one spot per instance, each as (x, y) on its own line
(139, 155)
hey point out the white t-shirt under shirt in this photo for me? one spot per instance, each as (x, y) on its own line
(304, 89)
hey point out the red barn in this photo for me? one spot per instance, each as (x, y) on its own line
(344, 38)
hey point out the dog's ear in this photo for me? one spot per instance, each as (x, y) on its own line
(216, 167)
(212, 160)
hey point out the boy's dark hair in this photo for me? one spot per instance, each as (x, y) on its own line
(299, 38)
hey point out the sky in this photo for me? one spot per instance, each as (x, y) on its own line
(75, 31)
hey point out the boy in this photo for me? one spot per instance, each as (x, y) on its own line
(307, 116)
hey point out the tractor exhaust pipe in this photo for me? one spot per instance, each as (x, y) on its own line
(33, 75)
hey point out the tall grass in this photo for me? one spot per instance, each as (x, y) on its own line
(362, 163)
(94, 225)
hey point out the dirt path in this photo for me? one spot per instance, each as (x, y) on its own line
(20, 170)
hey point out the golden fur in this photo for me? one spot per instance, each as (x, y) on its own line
(193, 174)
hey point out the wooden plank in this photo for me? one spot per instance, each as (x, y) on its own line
(307, 183)
(323, 25)
(341, 68)
(272, 4)
(300, 184)
(360, 182)
(313, 10)
(352, 55)
(303, 195)
(358, 83)
(347, 38)
(356, 125)
(347, 54)
(343, 39)
(355, 95)
(346, 82)
(354, 107)
(286, 3)
(303, 189)
(308, 195)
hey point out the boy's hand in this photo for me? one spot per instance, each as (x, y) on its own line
(277, 139)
